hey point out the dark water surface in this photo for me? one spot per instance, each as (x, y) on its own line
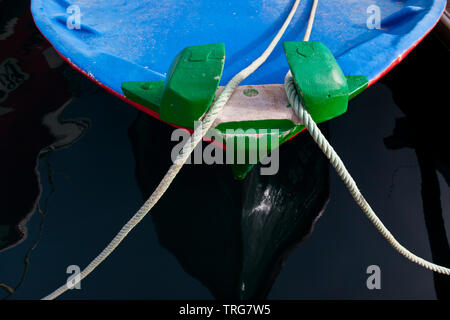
(106, 156)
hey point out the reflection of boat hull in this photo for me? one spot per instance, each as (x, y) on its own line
(232, 235)
(444, 25)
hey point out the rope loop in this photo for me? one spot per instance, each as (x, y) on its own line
(338, 164)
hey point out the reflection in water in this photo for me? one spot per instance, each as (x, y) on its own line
(233, 236)
(423, 100)
(42, 211)
(33, 94)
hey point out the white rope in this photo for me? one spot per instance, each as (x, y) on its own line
(335, 160)
(182, 157)
(312, 16)
(324, 145)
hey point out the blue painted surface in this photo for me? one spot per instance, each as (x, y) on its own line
(136, 40)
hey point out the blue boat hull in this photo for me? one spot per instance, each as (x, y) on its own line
(136, 40)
